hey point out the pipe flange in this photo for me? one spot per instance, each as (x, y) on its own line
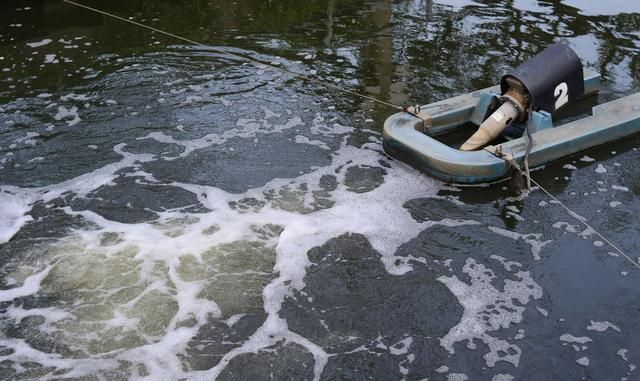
(517, 103)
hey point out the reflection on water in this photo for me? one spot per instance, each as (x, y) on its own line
(170, 211)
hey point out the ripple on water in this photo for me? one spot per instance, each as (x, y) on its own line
(183, 215)
(167, 276)
(241, 278)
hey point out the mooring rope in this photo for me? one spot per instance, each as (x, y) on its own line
(212, 48)
(585, 223)
(568, 210)
(338, 88)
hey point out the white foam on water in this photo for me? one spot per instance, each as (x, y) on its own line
(622, 353)
(520, 335)
(586, 233)
(245, 128)
(457, 377)
(611, 7)
(76, 97)
(16, 202)
(456, 4)
(78, 367)
(515, 216)
(569, 338)
(300, 139)
(584, 361)
(480, 298)
(53, 314)
(534, 240)
(542, 311)
(502, 377)
(144, 248)
(192, 99)
(321, 127)
(69, 115)
(620, 188)
(38, 44)
(14, 206)
(601, 169)
(225, 102)
(50, 58)
(353, 213)
(401, 347)
(587, 159)
(28, 138)
(29, 286)
(380, 218)
(569, 228)
(601, 326)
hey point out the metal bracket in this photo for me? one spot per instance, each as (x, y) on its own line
(499, 153)
(427, 121)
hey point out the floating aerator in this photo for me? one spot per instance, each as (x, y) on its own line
(549, 81)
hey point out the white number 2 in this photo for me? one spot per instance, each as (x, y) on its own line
(562, 93)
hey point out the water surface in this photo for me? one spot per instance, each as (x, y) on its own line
(171, 211)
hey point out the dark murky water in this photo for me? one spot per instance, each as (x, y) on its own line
(172, 212)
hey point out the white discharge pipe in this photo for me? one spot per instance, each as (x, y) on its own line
(492, 127)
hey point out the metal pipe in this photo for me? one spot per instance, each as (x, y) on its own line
(492, 127)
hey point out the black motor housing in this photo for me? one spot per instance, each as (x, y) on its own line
(553, 78)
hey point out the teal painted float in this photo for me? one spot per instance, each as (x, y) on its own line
(407, 139)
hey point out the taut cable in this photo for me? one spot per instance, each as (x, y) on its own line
(567, 209)
(285, 70)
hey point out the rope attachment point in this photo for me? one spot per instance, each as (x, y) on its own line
(516, 173)
(427, 120)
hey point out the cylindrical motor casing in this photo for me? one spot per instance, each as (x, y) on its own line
(552, 78)
(548, 81)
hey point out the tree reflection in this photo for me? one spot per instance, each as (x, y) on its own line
(406, 51)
